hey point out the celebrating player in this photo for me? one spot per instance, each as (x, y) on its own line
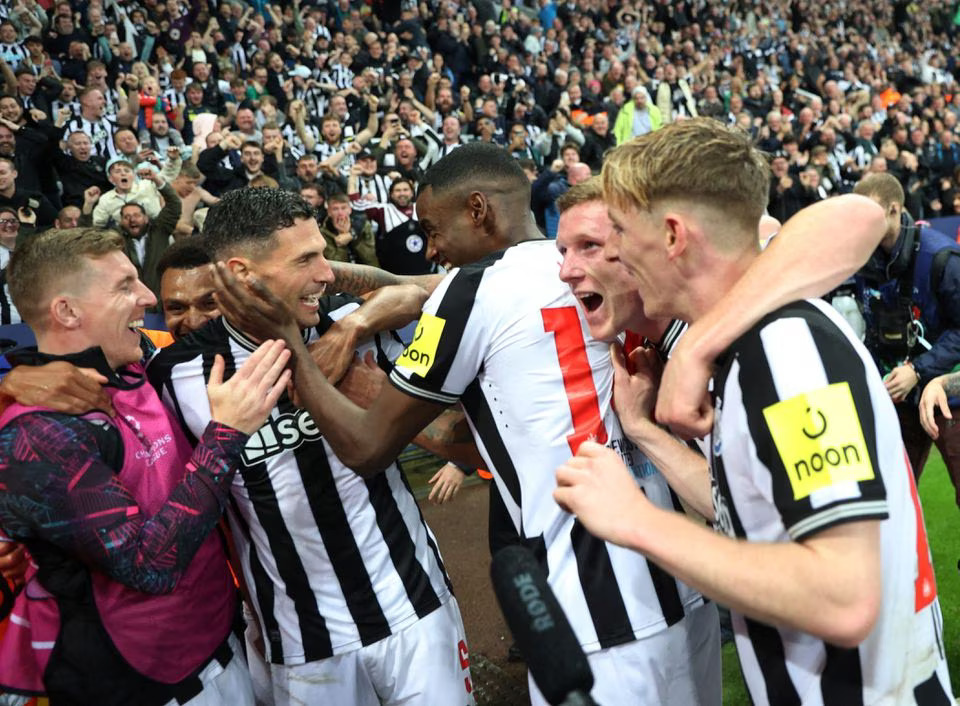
(825, 563)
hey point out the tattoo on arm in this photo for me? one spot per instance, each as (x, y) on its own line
(951, 385)
(360, 279)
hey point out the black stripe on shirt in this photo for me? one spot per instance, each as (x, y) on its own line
(768, 649)
(759, 391)
(430, 541)
(403, 550)
(475, 405)
(665, 585)
(455, 309)
(263, 587)
(600, 590)
(335, 531)
(841, 682)
(718, 471)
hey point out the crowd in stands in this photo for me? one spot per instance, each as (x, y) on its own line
(105, 101)
(139, 115)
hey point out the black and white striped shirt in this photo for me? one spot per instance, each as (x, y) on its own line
(13, 54)
(333, 562)
(341, 76)
(374, 189)
(99, 131)
(806, 438)
(316, 99)
(438, 152)
(506, 338)
(173, 98)
(325, 150)
(290, 134)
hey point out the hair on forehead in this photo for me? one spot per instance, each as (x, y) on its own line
(250, 217)
(478, 166)
(185, 254)
(585, 192)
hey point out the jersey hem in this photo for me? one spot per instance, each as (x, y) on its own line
(649, 630)
(395, 628)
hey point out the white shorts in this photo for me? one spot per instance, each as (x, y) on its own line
(424, 665)
(679, 666)
(224, 685)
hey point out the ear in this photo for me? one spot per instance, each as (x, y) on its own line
(64, 313)
(479, 208)
(677, 235)
(239, 266)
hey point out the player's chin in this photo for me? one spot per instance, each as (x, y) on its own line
(307, 318)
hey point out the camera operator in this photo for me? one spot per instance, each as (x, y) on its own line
(909, 293)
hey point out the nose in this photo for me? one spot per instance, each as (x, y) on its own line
(570, 269)
(145, 298)
(194, 319)
(324, 272)
(611, 248)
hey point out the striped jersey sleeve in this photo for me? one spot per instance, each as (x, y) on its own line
(806, 408)
(450, 342)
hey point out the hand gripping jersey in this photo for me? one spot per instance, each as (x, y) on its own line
(333, 561)
(505, 338)
(805, 437)
(165, 635)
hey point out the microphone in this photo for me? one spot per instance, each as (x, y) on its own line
(541, 629)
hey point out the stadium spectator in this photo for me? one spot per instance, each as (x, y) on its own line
(349, 234)
(129, 186)
(637, 117)
(13, 195)
(910, 289)
(145, 238)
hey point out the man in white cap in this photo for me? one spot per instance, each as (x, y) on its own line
(637, 117)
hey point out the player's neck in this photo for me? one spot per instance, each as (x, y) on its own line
(716, 278)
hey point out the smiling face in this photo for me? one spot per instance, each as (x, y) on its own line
(187, 296)
(252, 158)
(8, 175)
(605, 289)
(401, 194)
(295, 269)
(110, 306)
(451, 239)
(10, 109)
(636, 241)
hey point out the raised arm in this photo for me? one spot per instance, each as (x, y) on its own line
(815, 251)
(387, 308)
(367, 441)
(362, 279)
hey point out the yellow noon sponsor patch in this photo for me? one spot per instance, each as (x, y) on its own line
(421, 354)
(819, 439)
